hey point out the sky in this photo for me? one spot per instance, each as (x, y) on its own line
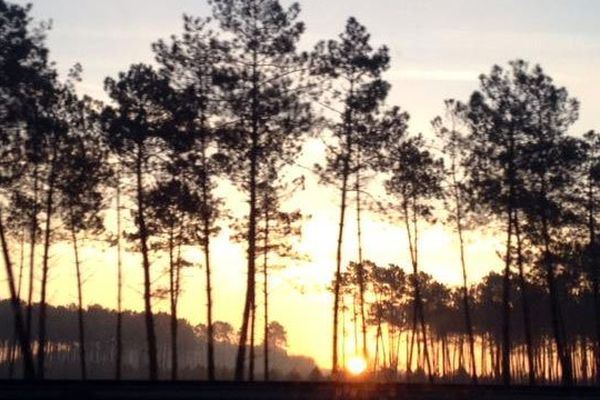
(438, 49)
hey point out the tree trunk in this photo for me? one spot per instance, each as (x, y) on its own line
(22, 336)
(361, 280)
(418, 303)
(32, 243)
(266, 296)
(465, 288)
(44, 283)
(205, 243)
(143, 234)
(250, 286)
(119, 327)
(506, 347)
(13, 345)
(524, 303)
(252, 355)
(563, 356)
(338, 257)
(173, 304)
(210, 341)
(338, 277)
(80, 321)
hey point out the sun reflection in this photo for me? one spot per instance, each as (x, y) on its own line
(356, 365)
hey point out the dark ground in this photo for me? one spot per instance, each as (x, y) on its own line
(107, 390)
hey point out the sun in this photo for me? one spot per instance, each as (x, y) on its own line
(356, 365)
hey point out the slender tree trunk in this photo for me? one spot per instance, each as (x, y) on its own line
(44, 283)
(119, 327)
(338, 276)
(250, 287)
(559, 339)
(80, 317)
(32, 242)
(210, 342)
(418, 303)
(361, 276)
(205, 243)
(13, 345)
(338, 257)
(173, 303)
(506, 347)
(524, 303)
(465, 288)
(143, 234)
(412, 341)
(344, 310)
(22, 336)
(266, 296)
(251, 356)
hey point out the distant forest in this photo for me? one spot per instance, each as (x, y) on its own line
(63, 347)
(230, 99)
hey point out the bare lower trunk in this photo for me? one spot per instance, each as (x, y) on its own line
(266, 297)
(119, 327)
(559, 338)
(361, 277)
(465, 288)
(210, 341)
(32, 242)
(80, 318)
(173, 301)
(525, 305)
(250, 286)
(12, 351)
(419, 313)
(555, 314)
(251, 356)
(44, 283)
(506, 377)
(22, 336)
(143, 234)
(337, 279)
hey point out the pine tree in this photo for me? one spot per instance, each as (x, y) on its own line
(266, 105)
(354, 89)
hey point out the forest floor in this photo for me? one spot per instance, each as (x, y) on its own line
(108, 390)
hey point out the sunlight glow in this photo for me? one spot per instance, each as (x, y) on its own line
(357, 365)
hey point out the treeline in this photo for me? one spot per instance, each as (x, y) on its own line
(63, 347)
(397, 354)
(231, 98)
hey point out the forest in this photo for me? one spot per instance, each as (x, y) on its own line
(231, 100)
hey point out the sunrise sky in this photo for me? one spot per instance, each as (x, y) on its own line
(438, 50)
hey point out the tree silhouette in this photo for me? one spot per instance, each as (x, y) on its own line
(266, 102)
(170, 204)
(415, 188)
(136, 126)
(591, 176)
(26, 89)
(80, 200)
(353, 69)
(54, 144)
(550, 160)
(192, 63)
(494, 121)
(453, 148)
(277, 230)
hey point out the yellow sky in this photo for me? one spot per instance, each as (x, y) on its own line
(298, 295)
